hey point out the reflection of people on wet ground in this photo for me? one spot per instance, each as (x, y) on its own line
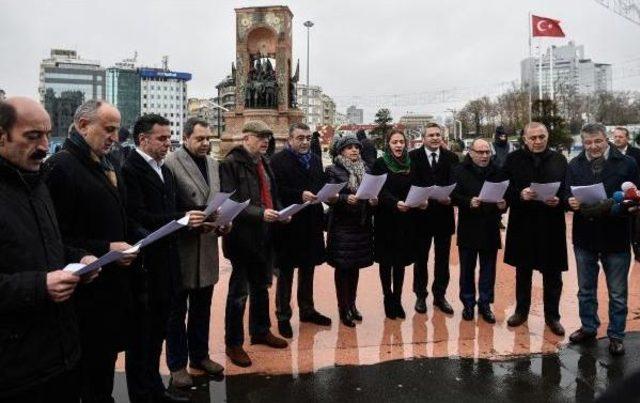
(391, 344)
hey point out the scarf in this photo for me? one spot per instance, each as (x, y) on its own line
(105, 165)
(395, 165)
(303, 159)
(356, 171)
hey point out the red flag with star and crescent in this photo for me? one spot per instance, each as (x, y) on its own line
(543, 26)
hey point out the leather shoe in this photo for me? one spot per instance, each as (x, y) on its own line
(398, 309)
(316, 318)
(517, 319)
(443, 305)
(555, 327)
(580, 336)
(238, 356)
(487, 314)
(173, 396)
(284, 327)
(616, 347)
(355, 314)
(467, 313)
(268, 339)
(208, 367)
(347, 319)
(421, 305)
(181, 379)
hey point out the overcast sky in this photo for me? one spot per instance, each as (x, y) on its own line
(362, 51)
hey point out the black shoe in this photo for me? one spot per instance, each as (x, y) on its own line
(347, 319)
(580, 336)
(399, 310)
(284, 327)
(316, 318)
(616, 347)
(555, 327)
(173, 396)
(487, 314)
(355, 314)
(467, 313)
(389, 307)
(421, 305)
(443, 305)
(517, 319)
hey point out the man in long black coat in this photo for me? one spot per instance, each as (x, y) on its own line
(151, 203)
(89, 198)
(536, 236)
(299, 244)
(433, 165)
(39, 338)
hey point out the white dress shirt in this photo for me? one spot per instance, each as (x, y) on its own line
(429, 152)
(157, 167)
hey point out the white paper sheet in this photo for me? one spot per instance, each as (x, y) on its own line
(493, 192)
(328, 191)
(228, 211)
(79, 269)
(417, 195)
(545, 191)
(440, 192)
(163, 231)
(370, 186)
(589, 194)
(217, 201)
(290, 211)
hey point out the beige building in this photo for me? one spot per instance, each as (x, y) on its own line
(319, 108)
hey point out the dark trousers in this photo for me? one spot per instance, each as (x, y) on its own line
(248, 279)
(190, 342)
(346, 282)
(391, 278)
(305, 292)
(442, 244)
(551, 286)
(62, 388)
(487, 279)
(97, 368)
(142, 361)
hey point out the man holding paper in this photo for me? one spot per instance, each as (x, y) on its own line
(536, 237)
(39, 337)
(600, 236)
(89, 198)
(299, 244)
(197, 182)
(433, 165)
(151, 203)
(478, 229)
(249, 245)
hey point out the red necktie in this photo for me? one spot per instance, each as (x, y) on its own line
(265, 192)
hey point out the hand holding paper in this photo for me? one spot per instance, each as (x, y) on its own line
(544, 191)
(328, 191)
(589, 194)
(417, 196)
(288, 212)
(493, 192)
(228, 211)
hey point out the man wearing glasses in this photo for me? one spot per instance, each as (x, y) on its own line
(536, 230)
(246, 171)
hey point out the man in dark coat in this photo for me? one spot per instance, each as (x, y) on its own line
(249, 245)
(315, 147)
(89, 198)
(299, 244)
(39, 338)
(151, 203)
(369, 153)
(478, 229)
(500, 147)
(601, 234)
(536, 231)
(433, 165)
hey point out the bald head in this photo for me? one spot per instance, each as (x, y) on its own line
(98, 122)
(480, 152)
(24, 132)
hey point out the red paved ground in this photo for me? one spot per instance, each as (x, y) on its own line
(379, 339)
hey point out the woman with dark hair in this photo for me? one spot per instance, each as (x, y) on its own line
(349, 231)
(394, 228)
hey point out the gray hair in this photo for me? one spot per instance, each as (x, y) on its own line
(88, 110)
(534, 125)
(592, 129)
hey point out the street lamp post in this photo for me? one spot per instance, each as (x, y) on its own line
(308, 24)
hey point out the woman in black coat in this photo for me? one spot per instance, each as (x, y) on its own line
(394, 228)
(349, 232)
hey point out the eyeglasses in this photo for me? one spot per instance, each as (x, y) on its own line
(482, 152)
(302, 138)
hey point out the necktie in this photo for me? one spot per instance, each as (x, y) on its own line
(265, 191)
(433, 160)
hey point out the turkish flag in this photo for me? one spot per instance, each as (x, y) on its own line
(542, 26)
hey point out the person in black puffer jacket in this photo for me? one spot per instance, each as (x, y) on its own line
(349, 232)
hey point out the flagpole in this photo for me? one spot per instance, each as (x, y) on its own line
(551, 71)
(531, 67)
(539, 72)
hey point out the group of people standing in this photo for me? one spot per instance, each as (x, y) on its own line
(60, 333)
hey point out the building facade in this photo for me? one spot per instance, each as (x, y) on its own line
(123, 91)
(3, 95)
(571, 71)
(164, 92)
(355, 116)
(226, 90)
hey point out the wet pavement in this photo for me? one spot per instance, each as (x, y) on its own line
(424, 357)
